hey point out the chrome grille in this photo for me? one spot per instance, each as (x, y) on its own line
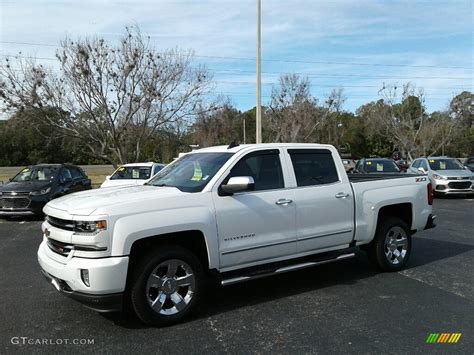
(60, 223)
(458, 178)
(59, 247)
(15, 200)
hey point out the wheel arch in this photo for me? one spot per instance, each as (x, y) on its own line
(192, 240)
(404, 211)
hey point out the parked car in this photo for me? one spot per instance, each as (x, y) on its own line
(349, 165)
(132, 174)
(377, 165)
(447, 175)
(28, 191)
(470, 163)
(233, 213)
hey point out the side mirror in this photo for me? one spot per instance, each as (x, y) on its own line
(421, 170)
(107, 177)
(238, 184)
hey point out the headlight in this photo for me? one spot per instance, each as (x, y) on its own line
(438, 177)
(41, 192)
(89, 227)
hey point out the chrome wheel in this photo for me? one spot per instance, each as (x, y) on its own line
(170, 287)
(396, 245)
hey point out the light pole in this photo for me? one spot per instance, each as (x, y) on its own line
(258, 113)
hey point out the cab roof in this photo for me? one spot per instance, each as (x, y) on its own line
(237, 148)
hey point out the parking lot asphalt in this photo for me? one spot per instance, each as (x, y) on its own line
(345, 307)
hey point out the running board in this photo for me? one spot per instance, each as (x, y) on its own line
(281, 270)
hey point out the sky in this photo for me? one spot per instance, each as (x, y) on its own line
(358, 45)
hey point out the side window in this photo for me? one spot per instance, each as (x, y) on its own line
(264, 167)
(416, 164)
(424, 165)
(65, 174)
(76, 173)
(313, 166)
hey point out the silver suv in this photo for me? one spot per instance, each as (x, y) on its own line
(447, 175)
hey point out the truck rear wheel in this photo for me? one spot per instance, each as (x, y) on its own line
(165, 286)
(391, 246)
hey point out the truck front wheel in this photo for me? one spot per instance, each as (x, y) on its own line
(391, 246)
(165, 286)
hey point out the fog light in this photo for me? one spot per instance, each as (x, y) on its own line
(85, 277)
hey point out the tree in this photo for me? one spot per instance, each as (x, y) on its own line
(114, 98)
(461, 110)
(293, 114)
(404, 122)
(220, 126)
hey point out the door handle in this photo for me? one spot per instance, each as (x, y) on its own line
(342, 195)
(283, 202)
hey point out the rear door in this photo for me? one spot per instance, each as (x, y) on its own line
(259, 225)
(324, 200)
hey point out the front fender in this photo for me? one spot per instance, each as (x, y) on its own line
(129, 229)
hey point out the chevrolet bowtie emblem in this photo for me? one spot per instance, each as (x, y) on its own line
(47, 232)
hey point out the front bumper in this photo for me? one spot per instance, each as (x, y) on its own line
(453, 187)
(100, 303)
(107, 278)
(34, 207)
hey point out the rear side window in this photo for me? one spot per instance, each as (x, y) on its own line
(313, 166)
(264, 167)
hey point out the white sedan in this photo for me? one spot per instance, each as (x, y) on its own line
(132, 174)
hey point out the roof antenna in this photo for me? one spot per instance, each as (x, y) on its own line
(233, 144)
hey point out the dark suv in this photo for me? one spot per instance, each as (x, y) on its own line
(29, 190)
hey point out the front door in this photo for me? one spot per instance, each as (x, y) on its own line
(256, 226)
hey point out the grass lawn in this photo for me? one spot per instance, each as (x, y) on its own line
(96, 173)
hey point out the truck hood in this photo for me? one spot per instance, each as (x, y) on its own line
(86, 202)
(454, 173)
(24, 186)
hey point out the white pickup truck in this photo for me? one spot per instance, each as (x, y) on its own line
(234, 213)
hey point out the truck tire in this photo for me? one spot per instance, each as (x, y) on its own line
(391, 246)
(165, 286)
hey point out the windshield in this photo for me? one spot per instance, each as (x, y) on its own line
(381, 166)
(43, 174)
(445, 164)
(191, 172)
(132, 172)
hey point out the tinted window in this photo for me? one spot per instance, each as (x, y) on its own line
(380, 166)
(65, 174)
(313, 167)
(76, 173)
(445, 164)
(36, 174)
(264, 167)
(132, 172)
